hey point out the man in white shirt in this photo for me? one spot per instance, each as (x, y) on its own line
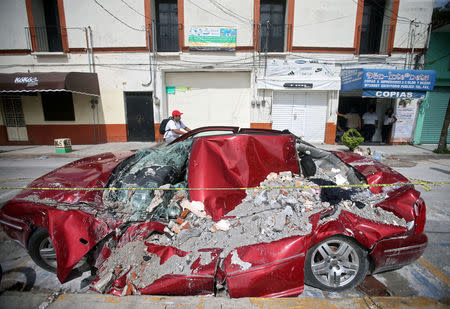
(175, 127)
(370, 124)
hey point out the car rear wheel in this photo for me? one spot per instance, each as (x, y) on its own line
(335, 264)
(42, 252)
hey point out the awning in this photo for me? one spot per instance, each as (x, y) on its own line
(76, 82)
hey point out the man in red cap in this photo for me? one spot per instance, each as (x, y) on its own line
(174, 127)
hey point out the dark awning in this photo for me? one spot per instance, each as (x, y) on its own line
(77, 82)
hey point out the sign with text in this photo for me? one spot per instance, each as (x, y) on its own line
(393, 94)
(212, 38)
(385, 79)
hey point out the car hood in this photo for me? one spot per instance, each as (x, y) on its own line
(90, 172)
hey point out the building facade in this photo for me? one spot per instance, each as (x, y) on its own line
(249, 63)
(432, 111)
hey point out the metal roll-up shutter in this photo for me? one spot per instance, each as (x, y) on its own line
(435, 111)
(210, 99)
(302, 113)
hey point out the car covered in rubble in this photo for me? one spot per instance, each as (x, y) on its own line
(252, 212)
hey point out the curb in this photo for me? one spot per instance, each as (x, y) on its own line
(24, 300)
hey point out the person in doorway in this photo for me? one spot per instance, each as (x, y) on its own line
(175, 127)
(353, 119)
(389, 120)
(370, 124)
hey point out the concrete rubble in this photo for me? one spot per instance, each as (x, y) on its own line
(264, 215)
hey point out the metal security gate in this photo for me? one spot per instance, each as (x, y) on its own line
(14, 118)
(302, 113)
(435, 109)
(139, 112)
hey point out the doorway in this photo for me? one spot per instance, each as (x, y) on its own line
(139, 114)
(14, 119)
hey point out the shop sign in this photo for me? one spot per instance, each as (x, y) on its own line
(29, 80)
(393, 94)
(385, 79)
(298, 85)
(212, 38)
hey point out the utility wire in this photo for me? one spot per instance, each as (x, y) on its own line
(433, 61)
(117, 18)
(229, 12)
(211, 13)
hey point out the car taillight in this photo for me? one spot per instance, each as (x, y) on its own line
(420, 212)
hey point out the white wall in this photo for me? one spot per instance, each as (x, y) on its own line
(326, 23)
(107, 31)
(421, 11)
(13, 20)
(236, 13)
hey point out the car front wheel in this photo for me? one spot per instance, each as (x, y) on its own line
(335, 264)
(42, 252)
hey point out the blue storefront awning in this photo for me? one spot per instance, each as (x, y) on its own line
(385, 83)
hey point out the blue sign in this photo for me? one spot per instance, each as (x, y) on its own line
(394, 94)
(351, 79)
(385, 79)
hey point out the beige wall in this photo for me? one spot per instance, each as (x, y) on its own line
(107, 31)
(13, 20)
(34, 115)
(237, 14)
(325, 23)
(420, 10)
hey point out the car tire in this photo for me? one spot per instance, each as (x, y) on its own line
(336, 264)
(42, 252)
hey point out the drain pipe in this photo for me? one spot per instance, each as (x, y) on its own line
(87, 49)
(92, 48)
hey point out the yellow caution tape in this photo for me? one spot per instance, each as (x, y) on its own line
(424, 184)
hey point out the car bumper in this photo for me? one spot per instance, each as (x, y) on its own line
(15, 228)
(393, 253)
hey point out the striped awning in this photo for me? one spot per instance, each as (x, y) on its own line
(76, 82)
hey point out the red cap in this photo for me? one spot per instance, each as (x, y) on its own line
(176, 113)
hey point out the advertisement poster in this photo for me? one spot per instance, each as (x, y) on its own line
(212, 38)
(406, 115)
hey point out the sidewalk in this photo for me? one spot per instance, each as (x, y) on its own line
(81, 151)
(24, 300)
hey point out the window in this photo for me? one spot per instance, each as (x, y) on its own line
(166, 25)
(375, 27)
(58, 106)
(46, 30)
(272, 31)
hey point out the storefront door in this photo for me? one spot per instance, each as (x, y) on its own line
(14, 118)
(302, 113)
(140, 123)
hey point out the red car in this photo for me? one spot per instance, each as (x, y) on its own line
(64, 226)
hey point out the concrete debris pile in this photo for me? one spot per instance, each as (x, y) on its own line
(264, 215)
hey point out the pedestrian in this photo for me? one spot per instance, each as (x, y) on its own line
(370, 124)
(353, 119)
(389, 120)
(175, 127)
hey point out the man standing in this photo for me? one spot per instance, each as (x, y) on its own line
(175, 127)
(353, 119)
(370, 124)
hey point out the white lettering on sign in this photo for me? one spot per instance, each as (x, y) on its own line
(30, 81)
(394, 94)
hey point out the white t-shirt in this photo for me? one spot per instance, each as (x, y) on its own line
(388, 120)
(369, 118)
(170, 136)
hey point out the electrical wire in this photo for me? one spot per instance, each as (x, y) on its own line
(211, 13)
(230, 12)
(133, 9)
(117, 18)
(433, 61)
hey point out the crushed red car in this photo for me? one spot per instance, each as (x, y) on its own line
(253, 212)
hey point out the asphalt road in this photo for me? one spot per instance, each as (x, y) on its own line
(427, 277)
